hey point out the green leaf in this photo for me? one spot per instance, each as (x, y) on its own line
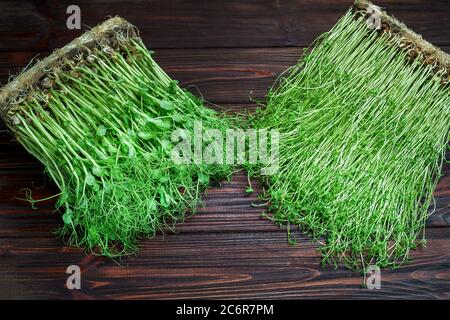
(162, 199)
(99, 172)
(96, 187)
(203, 178)
(67, 216)
(146, 135)
(131, 133)
(90, 179)
(177, 117)
(159, 123)
(164, 179)
(166, 145)
(101, 131)
(167, 105)
(112, 236)
(119, 194)
(131, 152)
(115, 172)
(148, 156)
(153, 205)
(112, 149)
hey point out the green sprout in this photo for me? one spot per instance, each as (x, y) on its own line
(102, 126)
(363, 131)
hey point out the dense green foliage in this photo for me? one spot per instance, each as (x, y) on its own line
(363, 135)
(102, 127)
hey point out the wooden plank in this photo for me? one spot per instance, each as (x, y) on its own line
(41, 25)
(221, 76)
(214, 265)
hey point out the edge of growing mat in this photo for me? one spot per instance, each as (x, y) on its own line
(106, 33)
(408, 40)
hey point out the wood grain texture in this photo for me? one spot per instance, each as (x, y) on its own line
(223, 51)
(227, 250)
(30, 25)
(214, 262)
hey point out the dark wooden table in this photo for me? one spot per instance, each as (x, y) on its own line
(225, 50)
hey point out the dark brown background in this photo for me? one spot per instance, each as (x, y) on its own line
(224, 49)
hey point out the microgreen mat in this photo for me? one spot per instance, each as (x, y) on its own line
(101, 122)
(364, 128)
